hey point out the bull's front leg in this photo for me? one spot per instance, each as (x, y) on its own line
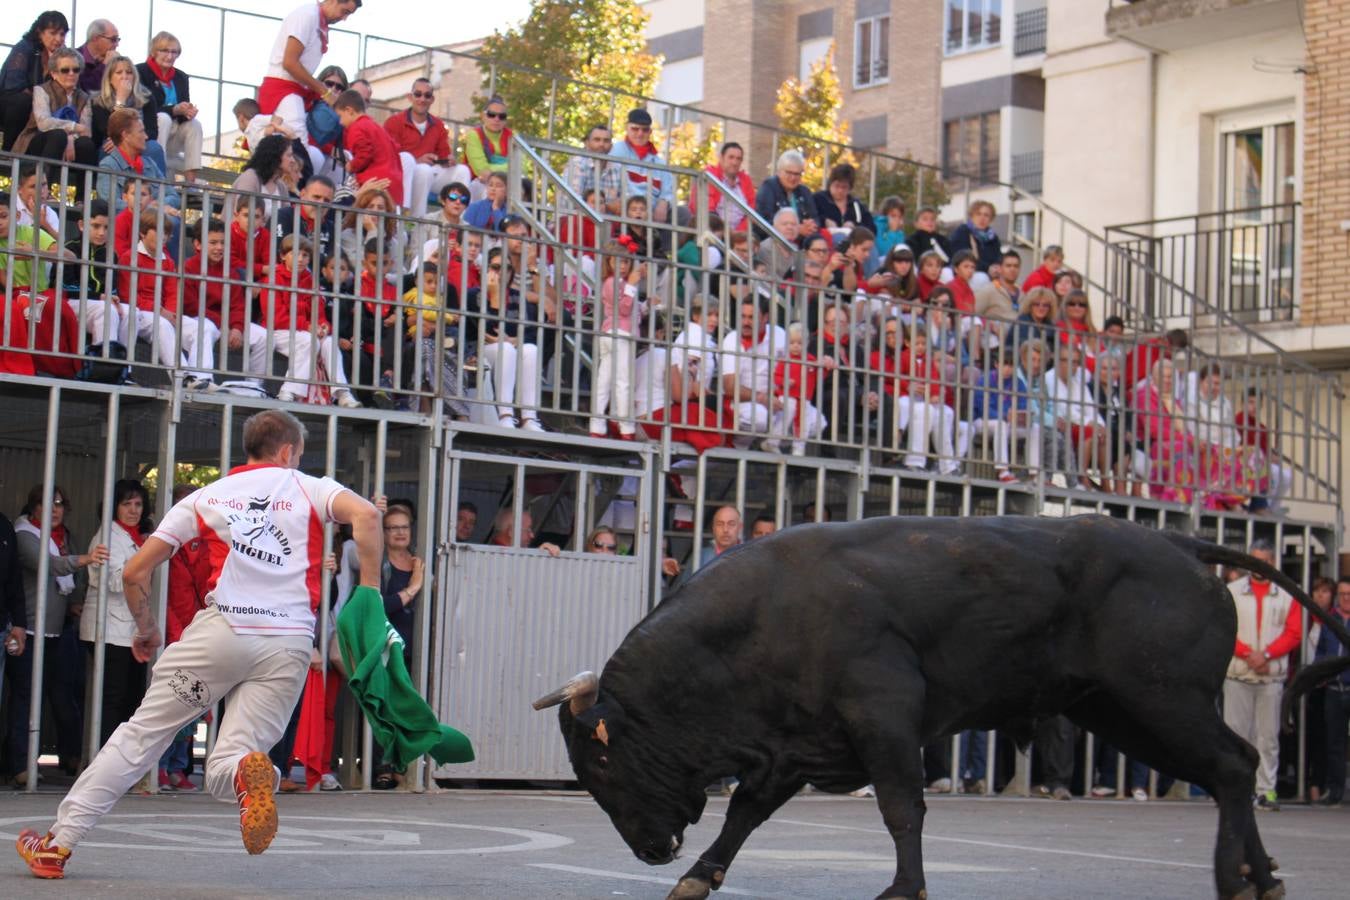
(754, 801)
(900, 796)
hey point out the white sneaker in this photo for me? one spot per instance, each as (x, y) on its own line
(532, 425)
(205, 385)
(1140, 795)
(865, 791)
(799, 448)
(287, 397)
(345, 400)
(941, 786)
(507, 422)
(771, 446)
(329, 782)
(1101, 791)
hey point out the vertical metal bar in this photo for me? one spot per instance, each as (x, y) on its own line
(431, 588)
(700, 508)
(367, 737)
(39, 623)
(94, 715)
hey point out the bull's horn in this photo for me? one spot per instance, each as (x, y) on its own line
(580, 693)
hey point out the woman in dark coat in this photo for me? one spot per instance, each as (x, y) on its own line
(24, 69)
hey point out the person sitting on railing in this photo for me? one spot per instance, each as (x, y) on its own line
(1170, 449)
(127, 160)
(746, 366)
(785, 189)
(1212, 423)
(977, 235)
(487, 148)
(25, 68)
(90, 276)
(930, 273)
(150, 290)
(615, 341)
(1075, 325)
(180, 131)
(925, 237)
(836, 207)
(424, 149)
(205, 287)
(508, 341)
(1269, 479)
(61, 125)
(889, 227)
(656, 186)
(729, 171)
(372, 153)
(1052, 260)
(1037, 321)
(293, 309)
(439, 371)
(488, 213)
(122, 89)
(1070, 401)
(795, 377)
(926, 408)
(586, 176)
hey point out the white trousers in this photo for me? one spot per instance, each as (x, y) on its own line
(159, 332)
(1281, 481)
(515, 377)
(260, 676)
(255, 348)
(422, 180)
(298, 347)
(927, 420)
(104, 319)
(200, 349)
(182, 143)
(1253, 711)
(613, 387)
(1002, 434)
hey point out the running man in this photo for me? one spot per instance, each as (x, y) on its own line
(263, 525)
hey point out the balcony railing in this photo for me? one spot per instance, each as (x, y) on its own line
(1027, 170)
(1244, 261)
(1030, 32)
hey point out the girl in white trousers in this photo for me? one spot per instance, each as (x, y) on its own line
(615, 346)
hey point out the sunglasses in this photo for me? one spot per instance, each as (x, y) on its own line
(599, 546)
(640, 129)
(170, 51)
(496, 115)
(67, 70)
(428, 95)
(112, 38)
(457, 198)
(1075, 303)
(496, 268)
(335, 85)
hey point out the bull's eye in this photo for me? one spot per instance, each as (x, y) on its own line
(602, 761)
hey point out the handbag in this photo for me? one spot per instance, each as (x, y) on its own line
(100, 370)
(323, 123)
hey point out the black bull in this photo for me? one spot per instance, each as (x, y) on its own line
(830, 654)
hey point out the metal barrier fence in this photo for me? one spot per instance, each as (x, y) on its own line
(528, 314)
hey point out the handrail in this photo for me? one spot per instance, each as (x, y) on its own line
(1292, 204)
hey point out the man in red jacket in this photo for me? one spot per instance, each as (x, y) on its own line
(424, 149)
(373, 152)
(728, 171)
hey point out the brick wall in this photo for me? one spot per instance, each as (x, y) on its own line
(1326, 164)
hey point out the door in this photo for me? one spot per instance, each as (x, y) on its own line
(1255, 234)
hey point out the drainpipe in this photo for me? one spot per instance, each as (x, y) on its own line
(1151, 173)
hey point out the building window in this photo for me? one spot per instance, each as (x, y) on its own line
(871, 51)
(809, 53)
(971, 147)
(973, 24)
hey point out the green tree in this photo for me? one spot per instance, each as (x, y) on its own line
(811, 107)
(902, 179)
(184, 473)
(599, 42)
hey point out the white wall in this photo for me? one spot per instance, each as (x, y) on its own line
(1199, 83)
(810, 52)
(1025, 130)
(681, 82)
(669, 16)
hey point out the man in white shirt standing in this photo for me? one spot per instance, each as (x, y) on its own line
(264, 524)
(290, 88)
(747, 368)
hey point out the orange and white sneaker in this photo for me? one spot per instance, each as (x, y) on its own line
(254, 784)
(44, 858)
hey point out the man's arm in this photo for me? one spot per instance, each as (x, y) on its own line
(361, 514)
(136, 589)
(290, 61)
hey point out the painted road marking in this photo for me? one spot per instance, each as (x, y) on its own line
(199, 835)
(854, 857)
(626, 876)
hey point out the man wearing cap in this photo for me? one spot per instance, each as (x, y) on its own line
(656, 185)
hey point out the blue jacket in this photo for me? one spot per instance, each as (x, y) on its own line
(111, 186)
(1329, 646)
(480, 214)
(995, 397)
(659, 184)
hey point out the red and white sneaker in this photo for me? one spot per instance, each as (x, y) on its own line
(44, 858)
(254, 784)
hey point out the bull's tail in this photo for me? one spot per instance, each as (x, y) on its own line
(1308, 677)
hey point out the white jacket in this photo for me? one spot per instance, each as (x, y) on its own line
(121, 627)
(1259, 635)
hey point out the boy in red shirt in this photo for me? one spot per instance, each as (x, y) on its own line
(294, 310)
(794, 379)
(250, 253)
(926, 407)
(150, 290)
(203, 293)
(373, 152)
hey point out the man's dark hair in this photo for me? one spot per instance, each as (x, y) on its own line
(842, 172)
(1113, 320)
(430, 268)
(97, 207)
(267, 432)
(762, 517)
(730, 145)
(860, 235)
(1178, 339)
(598, 126)
(453, 187)
(1010, 254)
(4, 199)
(469, 505)
(961, 256)
(27, 169)
(323, 180)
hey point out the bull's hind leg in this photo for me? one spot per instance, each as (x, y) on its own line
(1184, 736)
(756, 798)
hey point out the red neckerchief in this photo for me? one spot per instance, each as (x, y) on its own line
(164, 75)
(642, 152)
(841, 339)
(59, 534)
(132, 530)
(926, 286)
(746, 345)
(137, 164)
(323, 29)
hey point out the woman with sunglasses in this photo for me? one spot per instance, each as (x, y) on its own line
(25, 68)
(487, 147)
(62, 124)
(1075, 325)
(179, 129)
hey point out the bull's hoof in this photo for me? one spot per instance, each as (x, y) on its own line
(690, 889)
(921, 895)
(1247, 893)
(1274, 866)
(1274, 893)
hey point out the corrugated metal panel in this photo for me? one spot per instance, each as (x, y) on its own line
(518, 623)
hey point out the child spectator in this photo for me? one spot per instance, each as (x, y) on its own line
(1270, 479)
(250, 244)
(89, 279)
(422, 330)
(889, 227)
(1051, 260)
(151, 289)
(204, 287)
(930, 410)
(295, 314)
(509, 344)
(857, 251)
(489, 212)
(925, 238)
(615, 341)
(373, 152)
(930, 274)
(995, 412)
(375, 319)
(794, 379)
(963, 270)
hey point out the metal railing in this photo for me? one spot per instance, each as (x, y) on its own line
(1028, 170)
(1245, 261)
(1030, 30)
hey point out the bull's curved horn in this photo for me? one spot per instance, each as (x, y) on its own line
(580, 693)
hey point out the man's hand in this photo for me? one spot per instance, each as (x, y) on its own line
(551, 549)
(670, 567)
(315, 660)
(18, 634)
(427, 159)
(1256, 660)
(143, 645)
(236, 339)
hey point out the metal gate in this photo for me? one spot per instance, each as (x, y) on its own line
(515, 622)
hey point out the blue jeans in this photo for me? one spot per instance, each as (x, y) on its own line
(1136, 773)
(974, 755)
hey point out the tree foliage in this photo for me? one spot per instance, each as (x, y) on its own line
(811, 107)
(184, 473)
(599, 42)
